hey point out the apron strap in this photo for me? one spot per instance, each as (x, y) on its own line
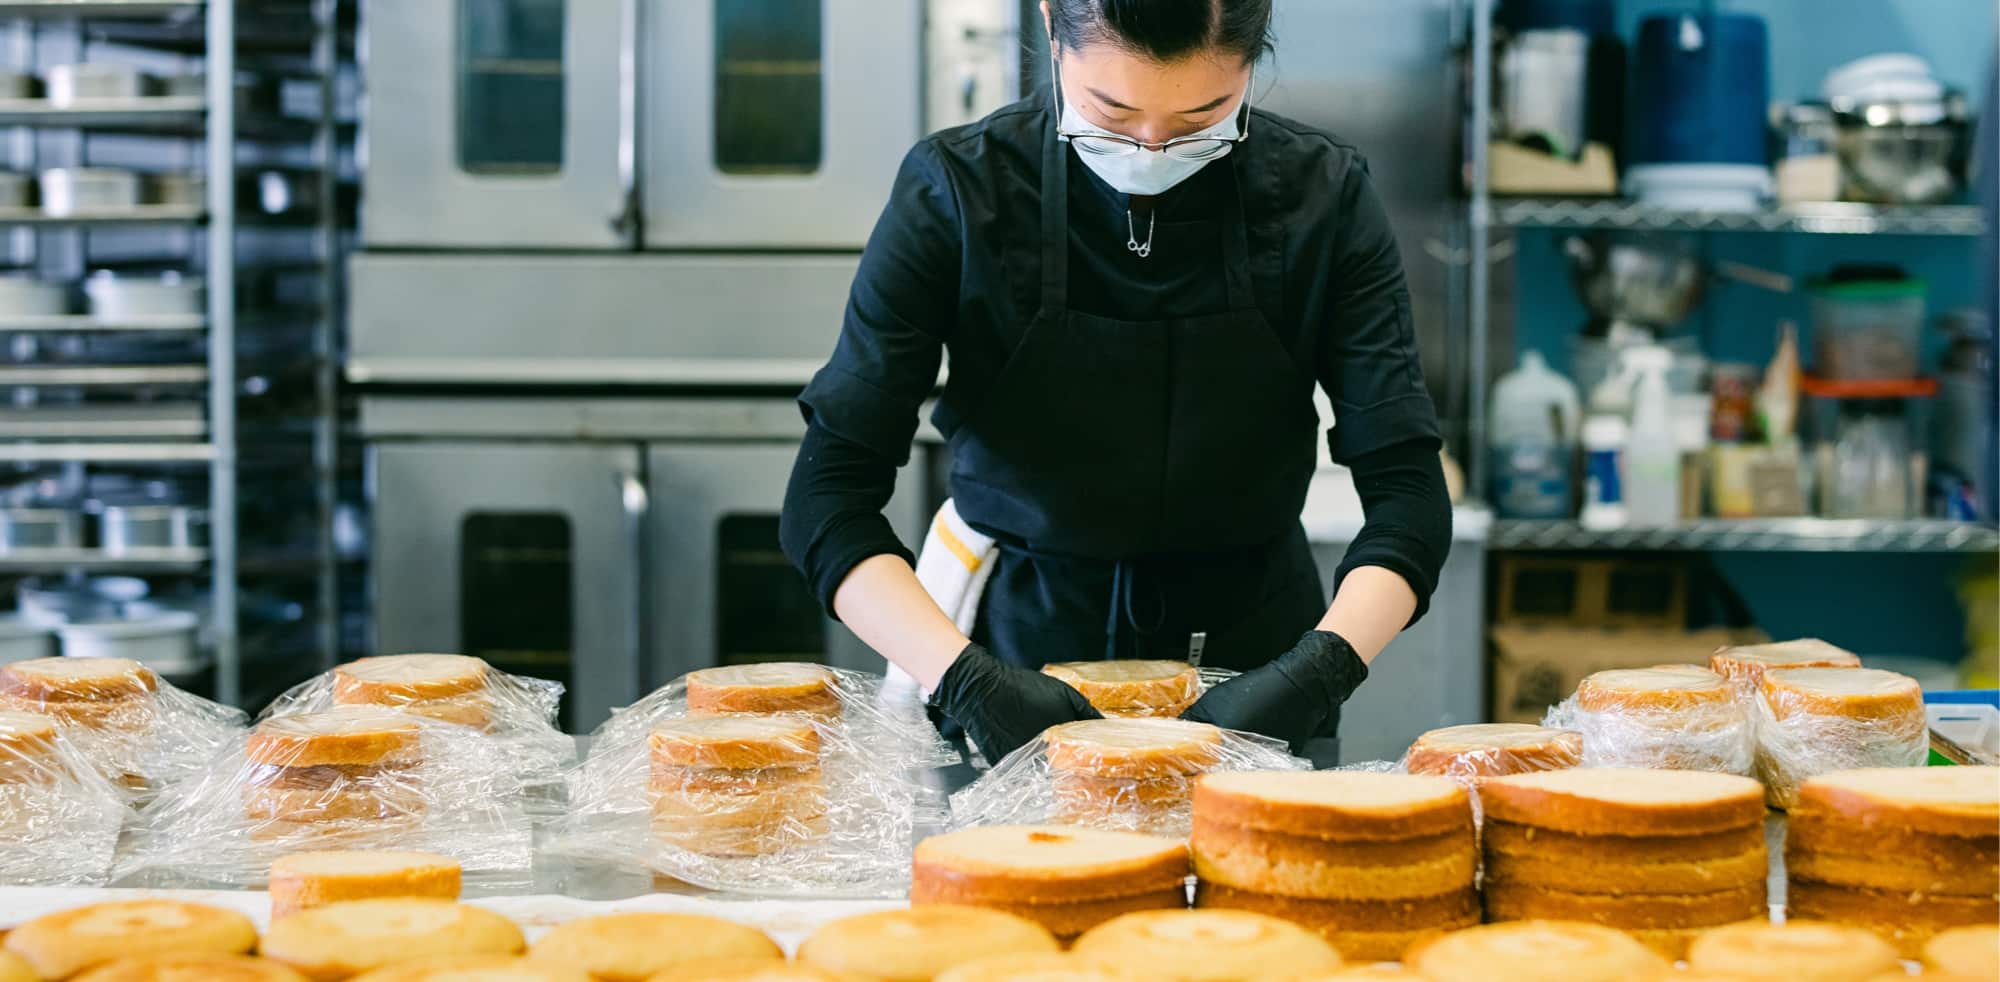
(1055, 221)
(1236, 241)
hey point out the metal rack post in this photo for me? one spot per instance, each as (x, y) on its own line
(326, 421)
(1477, 222)
(221, 86)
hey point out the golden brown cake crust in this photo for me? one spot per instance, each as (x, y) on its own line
(1617, 850)
(1971, 951)
(1822, 833)
(64, 943)
(1523, 951)
(1034, 968)
(1888, 871)
(1459, 908)
(1483, 750)
(59, 680)
(483, 968)
(1335, 805)
(1955, 801)
(348, 736)
(919, 943)
(1556, 871)
(1068, 920)
(1517, 902)
(315, 879)
(736, 742)
(1793, 950)
(1043, 864)
(1613, 801)
(1748, 663)
(1667, 689)
(1130, 686)
(397, 680)
(634, 947)
(190, 968)
(1212, 944)
(340, 940)
(1293, 866)
(14, 969)
(1904, 920)
(777, 687)
(1138, 749)
(1849, 693)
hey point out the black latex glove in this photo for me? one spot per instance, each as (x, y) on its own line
(1001, 706)
(1291, 697)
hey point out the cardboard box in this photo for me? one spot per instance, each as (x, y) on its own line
(1536, 667)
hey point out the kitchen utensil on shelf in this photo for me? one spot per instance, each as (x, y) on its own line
(119, 297)
(1866, 328)
(1542, 91)
(1701, 83)
(17, 190)
(94, 81)
(163, 640)
(39, 528)
(23, 295)
(21, 639)
(125, 528)
(1903, 135)
(1805, 152)
(54, 601)
(1636, 281)
(187, 189)
(81, 190)
(16, 86)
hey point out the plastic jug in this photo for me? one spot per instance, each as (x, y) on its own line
(1652, 455)
(1533, 442)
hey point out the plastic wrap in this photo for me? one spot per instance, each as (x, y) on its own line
(1133, 775)
(1138, 688)
(1674, 717)
(820, 799)
(137, 729)
(1472, 753)
(1811, 721)
(352, 777)
(59, 817)
(459, 689)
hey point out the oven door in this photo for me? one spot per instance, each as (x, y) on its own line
(721, 591)
(524, 554)
(776, 123)
(493, 124)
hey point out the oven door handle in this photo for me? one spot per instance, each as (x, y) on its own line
(628, 218)
(636, 503)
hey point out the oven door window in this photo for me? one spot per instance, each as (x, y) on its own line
(764, 611)
(510, 86)
(516, 603)
(768, 106)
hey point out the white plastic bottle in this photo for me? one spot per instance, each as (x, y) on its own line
(1604, 439)
(1652, 454)
(1533, 441)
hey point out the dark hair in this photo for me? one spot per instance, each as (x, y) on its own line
(1165, 30)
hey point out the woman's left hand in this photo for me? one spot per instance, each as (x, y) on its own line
(1290, 698)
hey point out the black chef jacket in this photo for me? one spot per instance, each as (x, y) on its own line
(942, 273)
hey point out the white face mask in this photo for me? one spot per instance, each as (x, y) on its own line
(1146, 171)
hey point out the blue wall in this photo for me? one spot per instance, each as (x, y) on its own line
(1875, 604)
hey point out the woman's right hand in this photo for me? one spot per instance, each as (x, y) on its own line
(1002, 706)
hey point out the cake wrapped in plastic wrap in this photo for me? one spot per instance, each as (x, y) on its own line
(137, 729)
(778, 779)
(1472, 753)
(1138, 688)
(1813, 721)
(59, 816)
(1671, 717)
(351, 777)
(460, 689)
(1132, 775)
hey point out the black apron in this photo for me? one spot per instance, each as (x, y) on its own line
(1143, 478)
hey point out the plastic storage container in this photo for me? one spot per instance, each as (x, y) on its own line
(1867, 329)
(1534, 437)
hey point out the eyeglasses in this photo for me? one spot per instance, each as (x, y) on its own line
(1182, 148)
